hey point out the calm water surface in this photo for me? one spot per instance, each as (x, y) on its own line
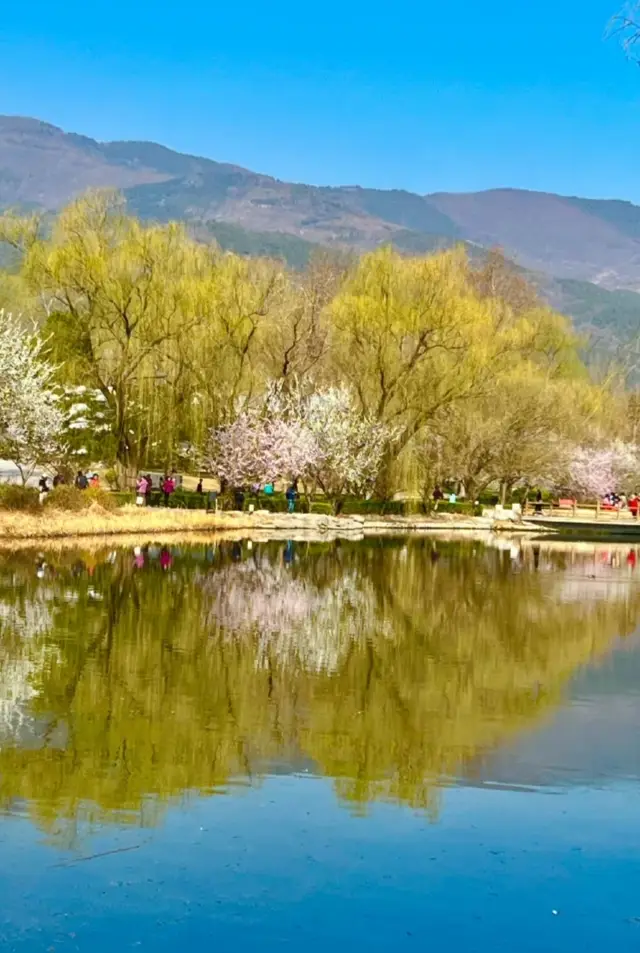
(381, 745)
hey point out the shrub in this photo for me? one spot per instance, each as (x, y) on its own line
(278, 504)
(103, 498)
(74, 501)
(122, 497)
(469, 509)
(111, 477)
(488, 498)
(186, 500)
(275, 503)
(355, 507)
(67, 498)
(14, 497)
(321, 507)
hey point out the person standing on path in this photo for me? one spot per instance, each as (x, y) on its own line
(168, 488)
(149, 489)
(43, 487)
(81, 481)
(291, 495)
(141, 491)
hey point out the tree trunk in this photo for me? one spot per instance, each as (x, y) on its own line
(470, 487)
(506, 489)
(383, 488)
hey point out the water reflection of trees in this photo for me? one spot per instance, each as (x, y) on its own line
(390, 666)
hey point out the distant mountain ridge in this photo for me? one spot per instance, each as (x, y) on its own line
(569, 238)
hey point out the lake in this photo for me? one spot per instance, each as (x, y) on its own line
(380, 745)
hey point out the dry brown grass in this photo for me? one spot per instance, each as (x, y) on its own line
(133, 521)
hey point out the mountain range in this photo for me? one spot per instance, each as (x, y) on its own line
(584, 253)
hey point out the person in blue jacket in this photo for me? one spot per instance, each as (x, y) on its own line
(291, 495)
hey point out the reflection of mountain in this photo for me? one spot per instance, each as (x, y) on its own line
(390, 666)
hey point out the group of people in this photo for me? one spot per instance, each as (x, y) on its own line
(144, 488)
(291, 494)
(82, 481)
(619, 501)
(439, 496)
(167, 486)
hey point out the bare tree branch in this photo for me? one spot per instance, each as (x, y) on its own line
(625, 26)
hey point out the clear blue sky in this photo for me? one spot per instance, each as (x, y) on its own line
(453, 95)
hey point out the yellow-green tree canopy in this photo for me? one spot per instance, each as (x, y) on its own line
(180, 338)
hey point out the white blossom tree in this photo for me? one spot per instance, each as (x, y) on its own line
(351, 444)
(87, 427)
(261, 449)
(31, 420)
(594, 472)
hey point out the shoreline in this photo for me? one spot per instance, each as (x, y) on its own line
(130, 521)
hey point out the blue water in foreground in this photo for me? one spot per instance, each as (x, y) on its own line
(534, 847)
(285, 866)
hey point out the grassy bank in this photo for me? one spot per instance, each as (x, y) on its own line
(131, 520)
(98, 523)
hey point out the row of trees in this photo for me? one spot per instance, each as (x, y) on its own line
(383, 371)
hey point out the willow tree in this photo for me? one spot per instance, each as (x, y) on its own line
(178, 336)
(516, 434)
(496, 276)
(413, 335)
(119, 295)
(298, 342)
(399, 333)
(418, 336)
(17, 234)
(626, 26)
(225, 351)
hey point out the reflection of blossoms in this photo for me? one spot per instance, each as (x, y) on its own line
(16, 690)
(28, 619)
(22, 623)
(291, 617)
